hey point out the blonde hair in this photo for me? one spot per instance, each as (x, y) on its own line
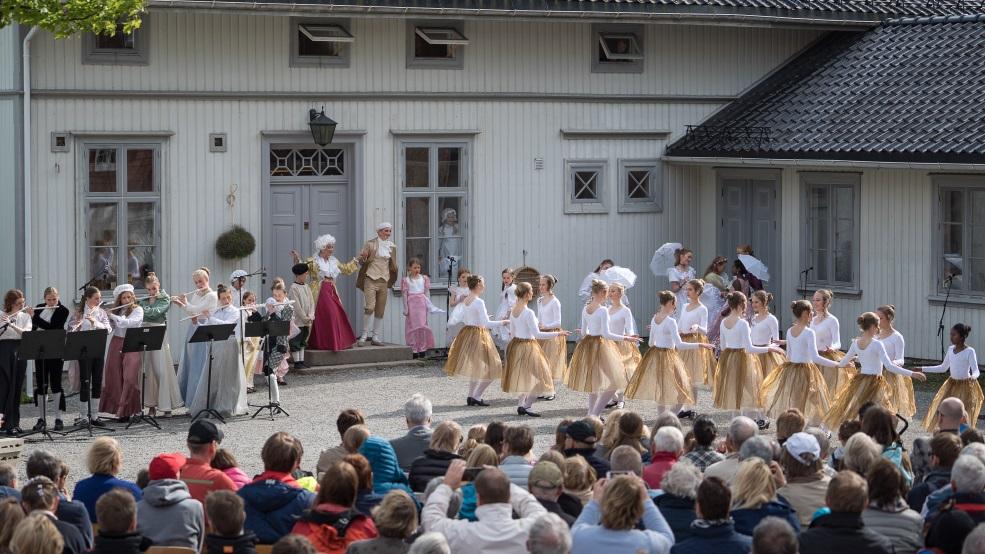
(11, 514)
(764, 297)
(36, 534)
(578, 474)
(50, 290)
(598, 286)
(736, 300)
(278, 284)
(202, 272)
(396, 515)
(790, 422)
(354, 438)
(105, 457)
(621, 506)
(618, 287)
(151, 277)
(475, 437)
(698, 285)
(447, 436)
(524, 290)
(610, 430)
(666, 297)
(887, 310)
(799, 307)
(860, 451)
(550, 280)
(753, 485)
(827, 295)
(867, 321)
(483, 455)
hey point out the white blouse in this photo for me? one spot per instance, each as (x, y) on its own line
(329, 268)
(692, 320)
(20, 320)
(738, 337)
(473, 315)
(765, 331)
(549, 314)
(895, 345)
(827, 333)
(802, 349)
(596, 324)
(962, 365)
(123, 322)
(200, 302)
(97, 314)
(225, 316)
(622, 322)
(666, 335)
(458, 293)
(507, 299)
(526, 326)
(415, 285)
(872, 358)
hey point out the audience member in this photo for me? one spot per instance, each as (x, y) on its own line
(396, 521)
(842, 530)
(676, 504)
(610, 433)
(40, 495)
(790, 422)
(971, 435)
(942, 495)
(225, 462)
(417, 414)
(366, 498)
(11, 514)
(454, 503)
(516, 464)
(740, 430)
(430, 543)
(482, 456)
(347, 418)
(116, 512)
(167, 514)
(354, 438)
(807, 485)
(293, 544)
(666, 447)
(475, 436)
(204, 438)
(974, 543)
(549, 535)
(823, 439)
(546, 483)
(667, 418)
(8, 483)
(569, 503)
(880, 424)
(860, 452)
(713, 530)
(579, 478)
(36, 534)
(967, 484)
(754, 497)
(759, 447)
(845, 431)
(944, 451)
(774, 536)
(580, 440)
(438, 456)
(887, 513)
(274, 500)
(333, 523)
(387, 475)
(495, 434)
(226, 515)
(143, 478)
(104, 460)
(44, 464)
(630, 432)
(608, 522)
(560, 434)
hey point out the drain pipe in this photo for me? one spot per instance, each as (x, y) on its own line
(26, 120)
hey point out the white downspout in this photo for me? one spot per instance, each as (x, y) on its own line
(26, 68)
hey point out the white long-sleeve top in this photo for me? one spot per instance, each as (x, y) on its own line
(20, 320)
(962, 365)
(224, 316)
(585, 290)
(827, 333)
(507, 299)
(622, 322)
(549, 313)
(666, 335)
(689, 318)
(873, 358)
(596, 324)
(738, 337)
(122, 322)
(526, 326)
(765, 331)
(473, 315)
(200, 302)
(802, 349)
(98, 315)
(495, 532)
(895, 346)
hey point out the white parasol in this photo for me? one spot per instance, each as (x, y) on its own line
(663, 258)
(755, 266)
(619, 275)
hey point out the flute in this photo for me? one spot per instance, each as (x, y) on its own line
(189, 292)
(134, 303)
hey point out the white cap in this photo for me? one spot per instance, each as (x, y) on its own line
(238, 274)
(799, 444)
(120, 289)
(384, 225)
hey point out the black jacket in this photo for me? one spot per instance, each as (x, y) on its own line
(679, 513)
(932, 481)
(434, 463)
(600, 465)
(58, 318)
(130, 543)
(570, 504)
(955, 519)
(243, 544)
(74, 542)
(555, 508)
(75, 513)
(843, 532)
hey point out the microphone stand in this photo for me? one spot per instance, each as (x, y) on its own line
(803, 282)
(451, 270)
(940, 325)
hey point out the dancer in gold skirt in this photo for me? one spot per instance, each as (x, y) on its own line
(827, 330)
(595, 366)
(699, 362)
(765, 330)
(901, 394)
(527, 371)
(798, 383)
(962, 364)
(473, 353)
(868, 385)
(661, 375)
(622, 322)
(549, 314)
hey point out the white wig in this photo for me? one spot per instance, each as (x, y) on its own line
(323, 241)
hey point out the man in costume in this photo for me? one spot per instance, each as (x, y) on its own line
(377, 274)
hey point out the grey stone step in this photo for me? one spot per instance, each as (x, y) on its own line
(359, 355)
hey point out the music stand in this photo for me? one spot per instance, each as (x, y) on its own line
(268, 329)
(210, 334)
(38, 346)
(143, 340)
(83, 346)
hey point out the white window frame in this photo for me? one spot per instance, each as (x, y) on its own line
(654, 200)
(139, 55)
(965, 184)
(420, 28)
(346, 42)
(121, 198)
(635, 61)
(831, 181)
(434, 192)
(600, 204)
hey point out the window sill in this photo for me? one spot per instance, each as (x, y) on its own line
(957, 300)
(839, 292)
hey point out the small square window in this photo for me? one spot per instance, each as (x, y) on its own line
(118, 41)
(617, 48)
(585, 190)
(436, 46)
(59, 142)
(217, 142)
(119, 48)
(586, 186)
(320, 42)
(640, 186)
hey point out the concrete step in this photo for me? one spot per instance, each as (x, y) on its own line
(359, 355)
(344, 367)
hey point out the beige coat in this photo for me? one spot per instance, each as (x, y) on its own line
(806, 495)
(370, 248)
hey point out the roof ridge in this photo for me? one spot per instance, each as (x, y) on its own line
(938, 19)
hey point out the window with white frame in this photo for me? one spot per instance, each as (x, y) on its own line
(960, 246)
(122, 202)
(435, 200)
(320, 42)
(119, 48)
(641, 186)
(617, 48)
(830, 237)
(436, 44)
(585, 186)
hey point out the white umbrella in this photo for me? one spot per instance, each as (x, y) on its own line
(619, 275)
(755, 266)
(663, 258)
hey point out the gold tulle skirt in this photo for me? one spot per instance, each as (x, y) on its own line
(526, 370)
(473, 355)
(556, 352)
(595, 366)
(737, 380)
(836, 377)
(661, 377)
(798, 386)
(857, 391)
(699, 362)
(629, 355)
(770, 362)
(968, 391)
(901, 395)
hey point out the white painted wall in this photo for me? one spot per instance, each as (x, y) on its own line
(11, 136)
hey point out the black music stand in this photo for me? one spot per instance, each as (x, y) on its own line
(269, 329)
(38, 346)
(210, 334)
(143, 340)
(83, 346)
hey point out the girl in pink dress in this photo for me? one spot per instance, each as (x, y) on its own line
(415, 289)
(121, 378)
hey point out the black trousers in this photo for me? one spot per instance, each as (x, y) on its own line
(48, 376)
(90, 379)
(300, 341)
(12, 372)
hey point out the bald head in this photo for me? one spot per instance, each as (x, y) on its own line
(952, 413)
(739, 430)
(492, 486)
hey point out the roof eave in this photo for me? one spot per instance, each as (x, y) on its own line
(928, 160)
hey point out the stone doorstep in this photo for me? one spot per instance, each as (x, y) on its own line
(360, 356)
(373, 365)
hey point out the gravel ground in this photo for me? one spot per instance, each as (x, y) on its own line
(315, 400)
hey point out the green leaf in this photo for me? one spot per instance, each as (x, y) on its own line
(64, 18)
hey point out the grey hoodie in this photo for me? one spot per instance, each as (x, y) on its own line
(169, 516)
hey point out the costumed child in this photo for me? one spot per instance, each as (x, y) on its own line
(764, 331)
(622, 322)
(279, 308)
(473, 354)
(48, 373)
(252, 345)
(680, 274)
(331, 329)
(507, 299)
(121, 378)
(226, 393)
(456, 293)
(14, 322)
(827, 331)
(160, 380)
(962, 383)
(88, 316)
(901, 392)
(415, 292)
(304, 313)
(549, 315)
(693, 326)
(198, 305)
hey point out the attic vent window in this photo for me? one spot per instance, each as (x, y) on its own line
(325, 33)
(320, 42)
(617, 48)
(436, 45)
(441, 36)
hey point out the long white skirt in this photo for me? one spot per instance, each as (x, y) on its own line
(227, 393)
(161, 381)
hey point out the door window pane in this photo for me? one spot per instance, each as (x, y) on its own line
(102, 237)
(420, 249)
(418, 217)
(417, 170)
(638, 185)
(953, 209)
(102, 170)
(140, 170)
(586, 185)
(449, 167)
(450, 250)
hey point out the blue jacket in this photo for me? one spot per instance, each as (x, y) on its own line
(387, 474)
(588, 536)
(10, 492)
(88, 491)
(720, 539)
(469, 502)
(366, 500)
(273, 507)
(746, 519)
(679, 513)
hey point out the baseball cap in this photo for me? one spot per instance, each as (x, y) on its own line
(166, 466)
(799, 444)
(546, 475)
(204, 431)
(582, 431)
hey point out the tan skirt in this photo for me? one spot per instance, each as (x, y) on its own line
(901, 395)
(859, 390)
(737, 380)
(526, 370)
(836, 377)
(968, 391)
(770, 362)
(473, 355)
(556, 352)
(661, 377)
(629, 355)
(595, 366)
(699, 362)
(798, 386)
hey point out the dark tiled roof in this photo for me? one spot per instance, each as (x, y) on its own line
(908, 90)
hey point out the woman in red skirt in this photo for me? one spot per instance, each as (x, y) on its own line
(121, 378)
(331, 329)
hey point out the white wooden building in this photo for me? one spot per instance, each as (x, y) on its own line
(544, 126)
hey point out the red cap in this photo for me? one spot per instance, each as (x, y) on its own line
(166, 466)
